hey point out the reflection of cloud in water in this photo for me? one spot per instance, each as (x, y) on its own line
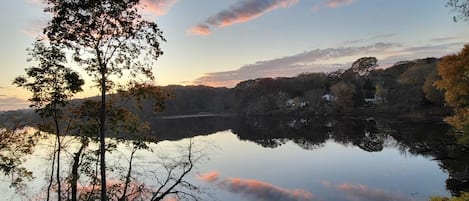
(171, 199)
(359, 192)
(209, 176)
(255, 189)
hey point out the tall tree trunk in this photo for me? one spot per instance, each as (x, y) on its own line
(51, 179)
(102, 142)
(75, 166)
(59, 147)
(127, 178)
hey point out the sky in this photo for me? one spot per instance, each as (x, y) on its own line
(220, 43)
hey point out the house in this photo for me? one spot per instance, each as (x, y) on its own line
(328, 97)
(303, 104)
(291, 103)
(296, 103)
(373, 101)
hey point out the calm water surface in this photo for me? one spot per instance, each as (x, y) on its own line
(300, 159)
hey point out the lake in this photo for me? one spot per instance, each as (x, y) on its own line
(289, 158)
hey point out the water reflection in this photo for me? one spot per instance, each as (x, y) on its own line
(256, 190)
(427, 139)
(15, 144)
(363, 192)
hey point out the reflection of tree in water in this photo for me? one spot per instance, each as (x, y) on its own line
(180, 128)
(15, 144)
(273, 132)
(360, 133)
(427, 139)
(130, 179)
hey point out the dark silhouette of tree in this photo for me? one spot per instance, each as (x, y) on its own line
(108, 38)
(52, 85)
(454, 72)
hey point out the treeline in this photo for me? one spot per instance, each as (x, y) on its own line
(406, 88)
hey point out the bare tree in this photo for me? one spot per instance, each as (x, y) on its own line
(174, 181)
(461, 7)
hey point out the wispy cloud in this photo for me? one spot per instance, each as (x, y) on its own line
(152, 7)
(443, 39)
(37, 2)
(12, 103)
(337, 3)
(240, 12)
(367, 40)
(356, 192)
(34, 28)
(417, 52)
(319, 60)
(256, 190)
(158, 7)
(331, 4)
(326, 60)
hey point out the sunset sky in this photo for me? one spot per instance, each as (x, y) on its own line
(222, 42)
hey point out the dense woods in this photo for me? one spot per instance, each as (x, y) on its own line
(405, 88)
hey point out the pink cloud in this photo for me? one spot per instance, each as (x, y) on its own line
(209, 176)
(363, 192)
(241, 12)
(331, 4)
(337, 3)
(158, 7)
(34, 28)
(171, 199)
(201, 30)
(256, 190)
(259, 190)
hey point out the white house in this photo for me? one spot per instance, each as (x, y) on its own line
(328, 97)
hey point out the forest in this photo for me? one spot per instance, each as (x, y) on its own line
(405, 89)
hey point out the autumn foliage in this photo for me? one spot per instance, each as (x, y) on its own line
(454, 72)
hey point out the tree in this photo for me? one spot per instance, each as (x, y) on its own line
(108, 38)
(460, 6)
(364, 65)
(344, 92)
(52, 85)
(431, 93)
(454, 72)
